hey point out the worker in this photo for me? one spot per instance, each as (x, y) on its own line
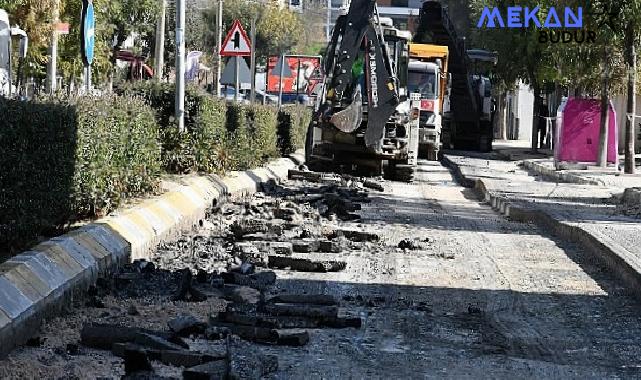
(543, 124)
(358, 72)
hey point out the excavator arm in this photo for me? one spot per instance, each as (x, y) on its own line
(357, 35)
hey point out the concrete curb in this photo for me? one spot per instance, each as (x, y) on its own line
(40, 283)
(623, 263)
(559, 176)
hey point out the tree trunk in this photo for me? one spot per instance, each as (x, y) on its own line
(535, 116)
(631, 58)
(605, 114)
(502, 113)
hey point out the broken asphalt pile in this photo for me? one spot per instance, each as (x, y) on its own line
(226, 265)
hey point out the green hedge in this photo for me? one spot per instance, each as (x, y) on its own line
(218, 136)
(64, 161)
(293, 121)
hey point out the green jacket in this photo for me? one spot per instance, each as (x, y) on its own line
(358, 67)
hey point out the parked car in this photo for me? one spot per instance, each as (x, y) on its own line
(263, 97)
(229, 94)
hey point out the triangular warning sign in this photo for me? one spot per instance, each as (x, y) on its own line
(236, 43)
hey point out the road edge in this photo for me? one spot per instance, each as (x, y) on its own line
(41, 283)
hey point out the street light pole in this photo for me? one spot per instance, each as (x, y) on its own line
(52, 66)
(180, 64)
(160, 41)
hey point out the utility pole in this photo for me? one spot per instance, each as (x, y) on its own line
(219, 43)
(52, 66)
(631, 57)
(605, 114)
(160, 42)
(329, 19)
(252, 97)
(180, 64)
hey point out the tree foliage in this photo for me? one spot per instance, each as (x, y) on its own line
(34, 16)
(277, 29)
(116, 20)
(576, 65)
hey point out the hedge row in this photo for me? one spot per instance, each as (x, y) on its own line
(221, 136)
(293, 121)
(64, 161)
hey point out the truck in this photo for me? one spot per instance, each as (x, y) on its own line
(364, 119)
(7, 87)
(469, 125)
(429, 77)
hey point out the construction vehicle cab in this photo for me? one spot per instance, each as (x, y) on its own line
(363, 119)
(428, 76)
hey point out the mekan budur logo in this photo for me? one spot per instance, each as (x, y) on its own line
(565, 25)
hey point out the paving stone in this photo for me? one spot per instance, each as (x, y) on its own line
(215, 370)
(281, 248)
(315, 299)
(305, 265)
(357, 235)
(329, 246)
(306, 245)
(243, 294)
(185, 325)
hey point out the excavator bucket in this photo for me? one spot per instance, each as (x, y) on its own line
(349, 119)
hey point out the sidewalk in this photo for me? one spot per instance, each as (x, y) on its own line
(585, 214)
(542, 163)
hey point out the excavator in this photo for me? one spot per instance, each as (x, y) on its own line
(365, 120)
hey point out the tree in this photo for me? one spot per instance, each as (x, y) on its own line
(34, 16)
(569, 65)
(520, 54)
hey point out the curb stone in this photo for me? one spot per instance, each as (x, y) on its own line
(623, 263)
(555, 175)
(39, 283)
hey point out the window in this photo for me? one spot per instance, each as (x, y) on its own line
(423, 83)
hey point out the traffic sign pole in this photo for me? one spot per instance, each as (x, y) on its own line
(237, 85)
(88, 78)
(280, 81)
(88, 35)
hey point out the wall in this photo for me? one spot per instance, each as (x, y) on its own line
(520, 104)
(620, 106)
